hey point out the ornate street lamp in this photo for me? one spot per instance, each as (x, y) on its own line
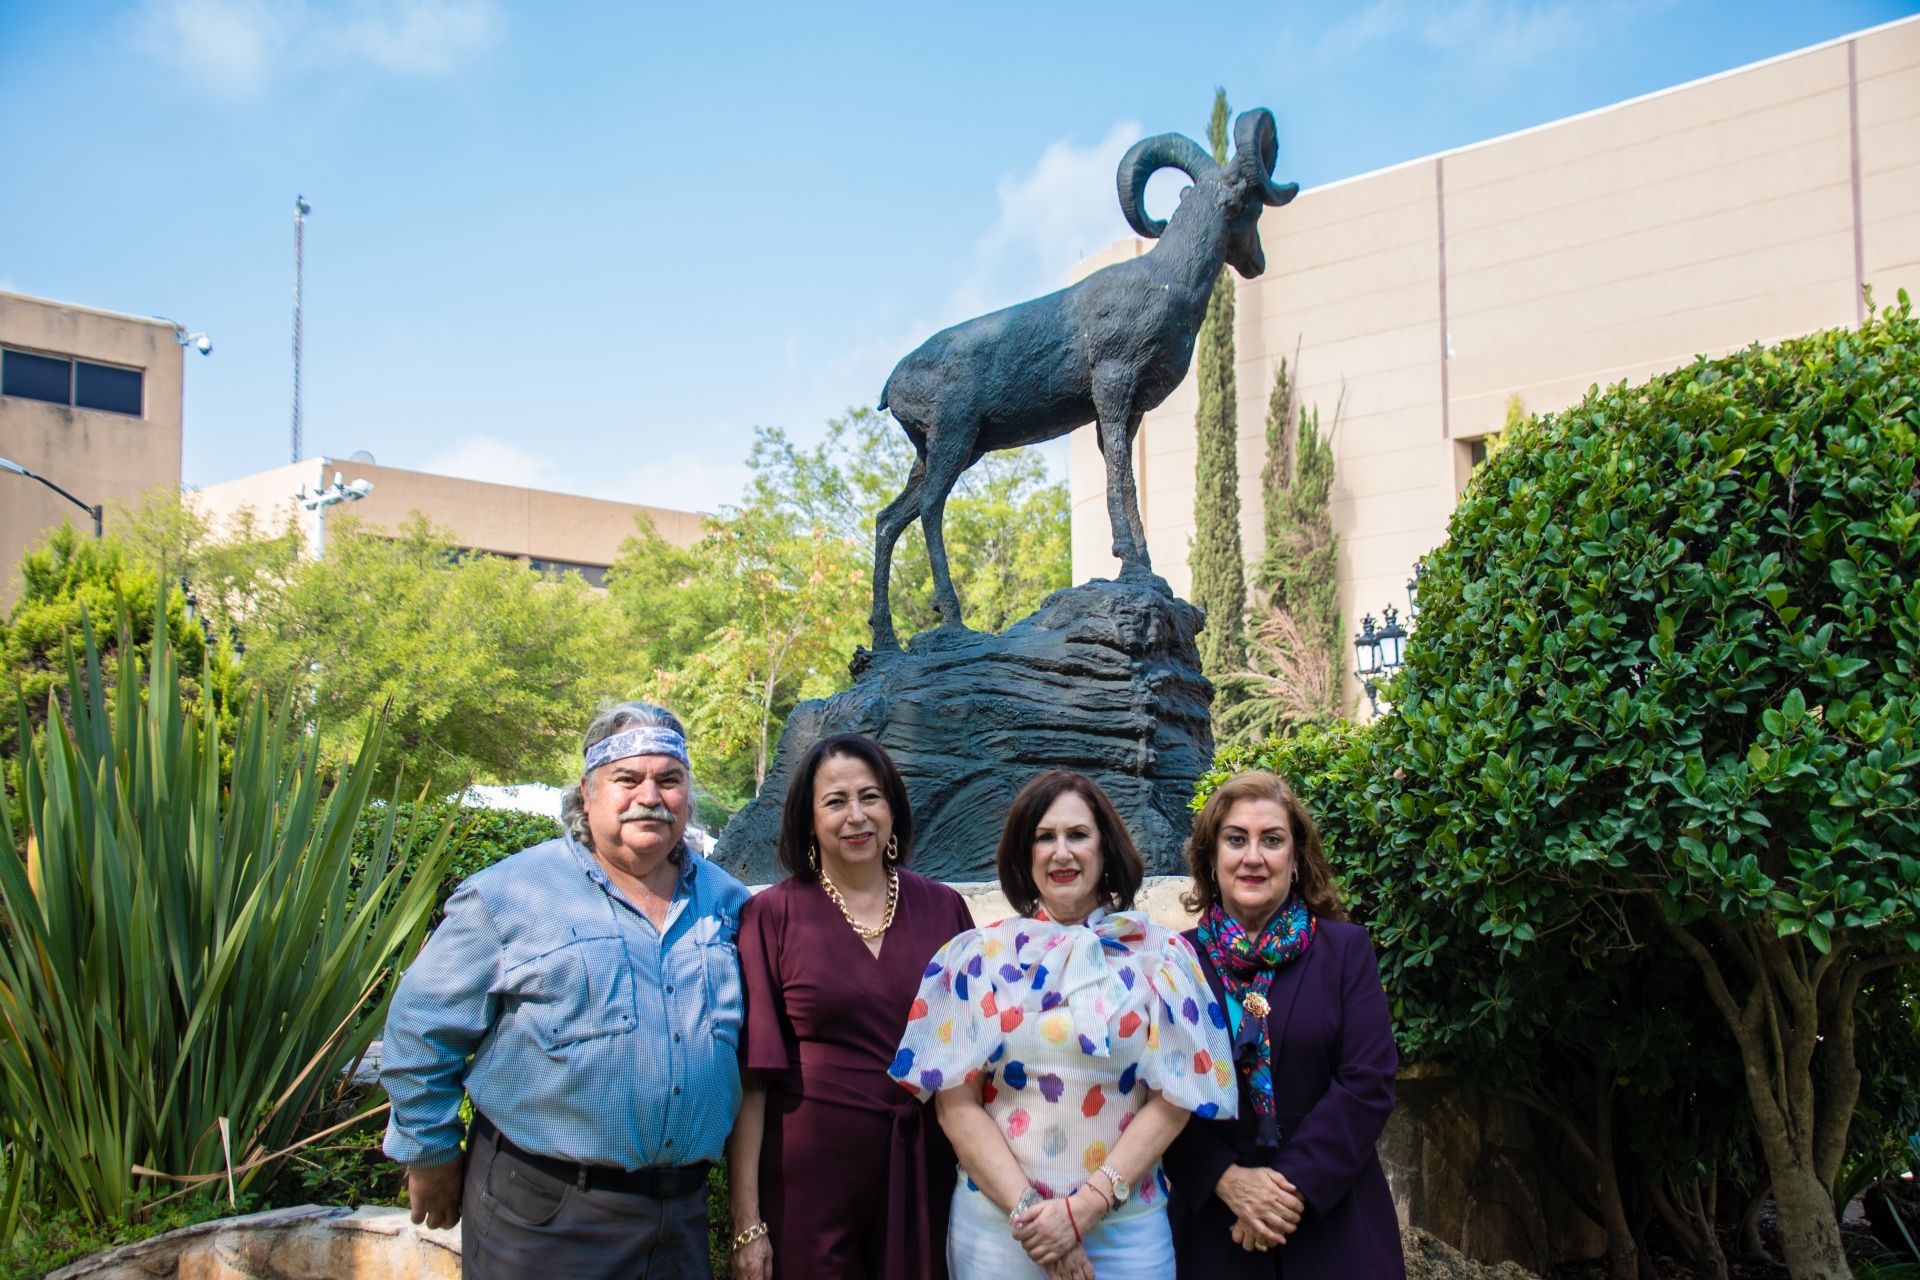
(1366, 649)
(1393, 644)
(1413, 590)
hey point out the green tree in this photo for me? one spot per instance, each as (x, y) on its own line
(1007, 528)
(1666, 666)
(232, 572)
(1214, 555)
(490, 671)
(73, 575)
(1296, 662)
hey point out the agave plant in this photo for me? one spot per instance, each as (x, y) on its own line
(188, 962)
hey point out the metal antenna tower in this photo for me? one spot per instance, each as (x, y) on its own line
(300, 211)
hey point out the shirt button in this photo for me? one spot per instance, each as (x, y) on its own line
(676, 1091)
(669, 988)
(668, 1142)
(676, 1037)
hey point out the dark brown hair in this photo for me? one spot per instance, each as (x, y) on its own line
(1312, 878)
(796, 816)
(1120, 866)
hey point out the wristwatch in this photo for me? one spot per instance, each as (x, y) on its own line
(1120, 1188)
(1028, 1199)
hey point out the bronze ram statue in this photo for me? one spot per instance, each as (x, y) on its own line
(1104, 351)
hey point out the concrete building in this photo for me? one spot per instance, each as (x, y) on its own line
(558, 532)
(91, 401)
(1747, 207)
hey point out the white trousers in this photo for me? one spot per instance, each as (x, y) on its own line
(980, 1245)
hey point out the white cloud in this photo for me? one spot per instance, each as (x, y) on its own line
(499, 461)
(237, 47)
(423, 37)
(1493, 38)
(1050, 217)
(679, 481)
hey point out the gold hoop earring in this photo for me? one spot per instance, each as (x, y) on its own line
(813, 857)
(893, 850)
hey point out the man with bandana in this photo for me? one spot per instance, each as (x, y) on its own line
(585, 993)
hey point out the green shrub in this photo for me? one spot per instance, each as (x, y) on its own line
(1663, 694)
(183, 951)
(477, 837)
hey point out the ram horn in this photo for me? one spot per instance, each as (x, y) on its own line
(1146, 158)
(1256, 146)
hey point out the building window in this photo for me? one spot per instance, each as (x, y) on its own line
(79, 383)
(594, 574)
(32, 377)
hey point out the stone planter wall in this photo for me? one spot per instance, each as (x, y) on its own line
(313, 1242)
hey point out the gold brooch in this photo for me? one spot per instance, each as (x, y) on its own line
(1256, 1005)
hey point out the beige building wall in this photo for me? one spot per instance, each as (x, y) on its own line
(1747, 207)
(531, 524)
(99, 457)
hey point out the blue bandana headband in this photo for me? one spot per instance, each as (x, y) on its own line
(649, 740)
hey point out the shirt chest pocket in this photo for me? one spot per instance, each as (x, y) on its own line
(720, 965)
(579, 991)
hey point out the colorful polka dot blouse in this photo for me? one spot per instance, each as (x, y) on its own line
(1070, 1026)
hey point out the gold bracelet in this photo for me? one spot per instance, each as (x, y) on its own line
(748, 1236)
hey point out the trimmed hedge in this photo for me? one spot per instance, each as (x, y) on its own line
(1655, 753)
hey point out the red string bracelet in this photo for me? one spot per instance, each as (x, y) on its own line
(1070, 1222)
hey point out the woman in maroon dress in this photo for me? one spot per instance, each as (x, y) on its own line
(835, 1172)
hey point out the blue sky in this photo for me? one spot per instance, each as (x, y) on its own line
(591, 246)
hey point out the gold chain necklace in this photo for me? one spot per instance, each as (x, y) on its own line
(893, 900)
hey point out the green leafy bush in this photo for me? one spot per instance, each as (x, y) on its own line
(182, 950)
(1662, 695)
(477, 838)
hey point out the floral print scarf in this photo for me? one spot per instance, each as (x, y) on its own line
(1246, 966)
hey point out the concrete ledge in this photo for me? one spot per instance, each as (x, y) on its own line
(311, 1242)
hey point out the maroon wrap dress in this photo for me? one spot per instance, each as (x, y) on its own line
(855, 1176)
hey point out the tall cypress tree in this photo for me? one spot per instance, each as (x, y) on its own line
(1296, 669)
(1213, 554)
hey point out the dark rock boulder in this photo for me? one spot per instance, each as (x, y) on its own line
(1103, 678)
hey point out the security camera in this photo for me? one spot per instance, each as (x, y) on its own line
(203, 344)
(360, 488)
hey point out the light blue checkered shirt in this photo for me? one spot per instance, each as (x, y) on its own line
(594, 1037)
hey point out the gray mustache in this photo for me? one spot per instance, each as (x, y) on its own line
(639, 812)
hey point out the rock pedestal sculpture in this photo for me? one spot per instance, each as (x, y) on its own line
(1103, 678)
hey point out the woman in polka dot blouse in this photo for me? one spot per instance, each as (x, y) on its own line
(1067, 1047)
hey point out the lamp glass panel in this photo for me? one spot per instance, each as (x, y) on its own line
(1391, 646)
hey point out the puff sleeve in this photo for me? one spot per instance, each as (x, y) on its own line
(952, 1031)
(1189, 1059)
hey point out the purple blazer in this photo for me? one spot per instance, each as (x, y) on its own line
(1333, 1067)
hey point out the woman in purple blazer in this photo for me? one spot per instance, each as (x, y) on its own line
(1292, 1181)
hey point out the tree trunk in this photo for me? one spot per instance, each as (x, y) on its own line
(1622, 1252)
(1790, 1000)
(1752, 1247)
(1809, 1227)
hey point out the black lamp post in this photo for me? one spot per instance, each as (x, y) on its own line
(94, 509)
(1413, 590)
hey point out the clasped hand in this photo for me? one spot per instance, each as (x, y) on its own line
(1267, 1207)
(1047, 1233)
